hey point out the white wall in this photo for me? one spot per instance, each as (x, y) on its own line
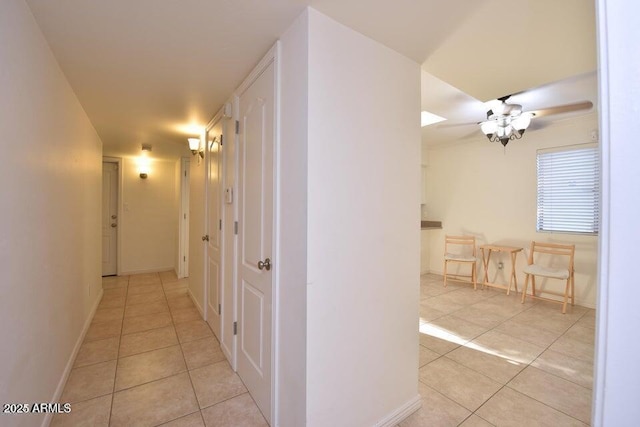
(617, 381)
(148, 227)
(50, 251)
(363, 237)
(291, 259)
(479, 188)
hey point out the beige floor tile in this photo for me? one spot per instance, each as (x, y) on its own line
(185, 315)
(183, 302)
(154, 403)
(239, 411)
(175, 285)
(467, 296)
(438, 345)
(112, 293)
(175, 293)
(148, 340)
(202, 352)
(428, 314)
(215, 383)
(437, 410)
(460, 384)
(441, 304)
(192, 420)
(90, 381)
(581, 333)
(90, 413)
(425, 356)
(114, 285)
(543, 320)
(587, 321)
(143, 289)
(574, 348)
(168, 276)
(528, 332)
(506, 346)
(462, 329)
(486, 319)
(146, 308)
(102, 330)
(145, 298)
(143, 278)
(434, 289)
(506, 306)
(512, 409)
(111, 302)
(555, 308)
(146, 322)
(107, 314)
(567, 397)
(475, 421)
(193, 330)
(149, 366)
(575, 370)
(97, 351)
(495, 367)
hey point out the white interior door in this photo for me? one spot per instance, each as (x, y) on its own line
(214, 228)
(255, 236)
(109, 218)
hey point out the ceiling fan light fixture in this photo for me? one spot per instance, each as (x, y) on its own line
(489, 127)
(522, 122)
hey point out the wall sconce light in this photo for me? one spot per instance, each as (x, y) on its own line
(144, 162)
(194, 146)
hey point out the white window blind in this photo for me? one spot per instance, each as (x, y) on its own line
(569, 189)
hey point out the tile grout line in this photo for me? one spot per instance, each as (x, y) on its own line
(522, 370)
(184, 359)
(113, 393)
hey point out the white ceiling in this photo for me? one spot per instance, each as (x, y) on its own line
(152, 71)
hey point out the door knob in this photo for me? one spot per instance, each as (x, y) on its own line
(264, 265)
(205, 238)
(114, 225)
(114, 216)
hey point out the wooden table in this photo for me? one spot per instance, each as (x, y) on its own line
(486, 256)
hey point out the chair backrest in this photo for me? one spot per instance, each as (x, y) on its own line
(463, 243)
(553, 249)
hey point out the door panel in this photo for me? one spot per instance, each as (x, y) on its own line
(252, 339)
(255, 236)
(109, 218)
(214, 217)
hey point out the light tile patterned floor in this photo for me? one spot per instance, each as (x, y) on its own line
(488, 360)
(149, 359)
(485, 359)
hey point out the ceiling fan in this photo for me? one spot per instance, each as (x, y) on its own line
(506, 122)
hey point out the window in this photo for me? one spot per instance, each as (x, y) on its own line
(569, 189)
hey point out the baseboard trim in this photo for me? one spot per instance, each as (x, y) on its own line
(67, 370)
(195, 302)
(149, 270)
(401, 413)
(579, 302)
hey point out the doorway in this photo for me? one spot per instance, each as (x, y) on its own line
(256, 139)
(110, 197)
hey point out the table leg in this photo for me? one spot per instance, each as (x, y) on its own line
(485, 261)
(513, 273)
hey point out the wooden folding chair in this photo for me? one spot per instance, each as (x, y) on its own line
(464, 253)
(563, 252)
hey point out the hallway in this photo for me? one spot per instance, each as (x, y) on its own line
(149, 359)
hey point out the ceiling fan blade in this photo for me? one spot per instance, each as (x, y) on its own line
(454, 125)
(586, 105)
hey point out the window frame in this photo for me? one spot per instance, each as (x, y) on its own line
(597, 183)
